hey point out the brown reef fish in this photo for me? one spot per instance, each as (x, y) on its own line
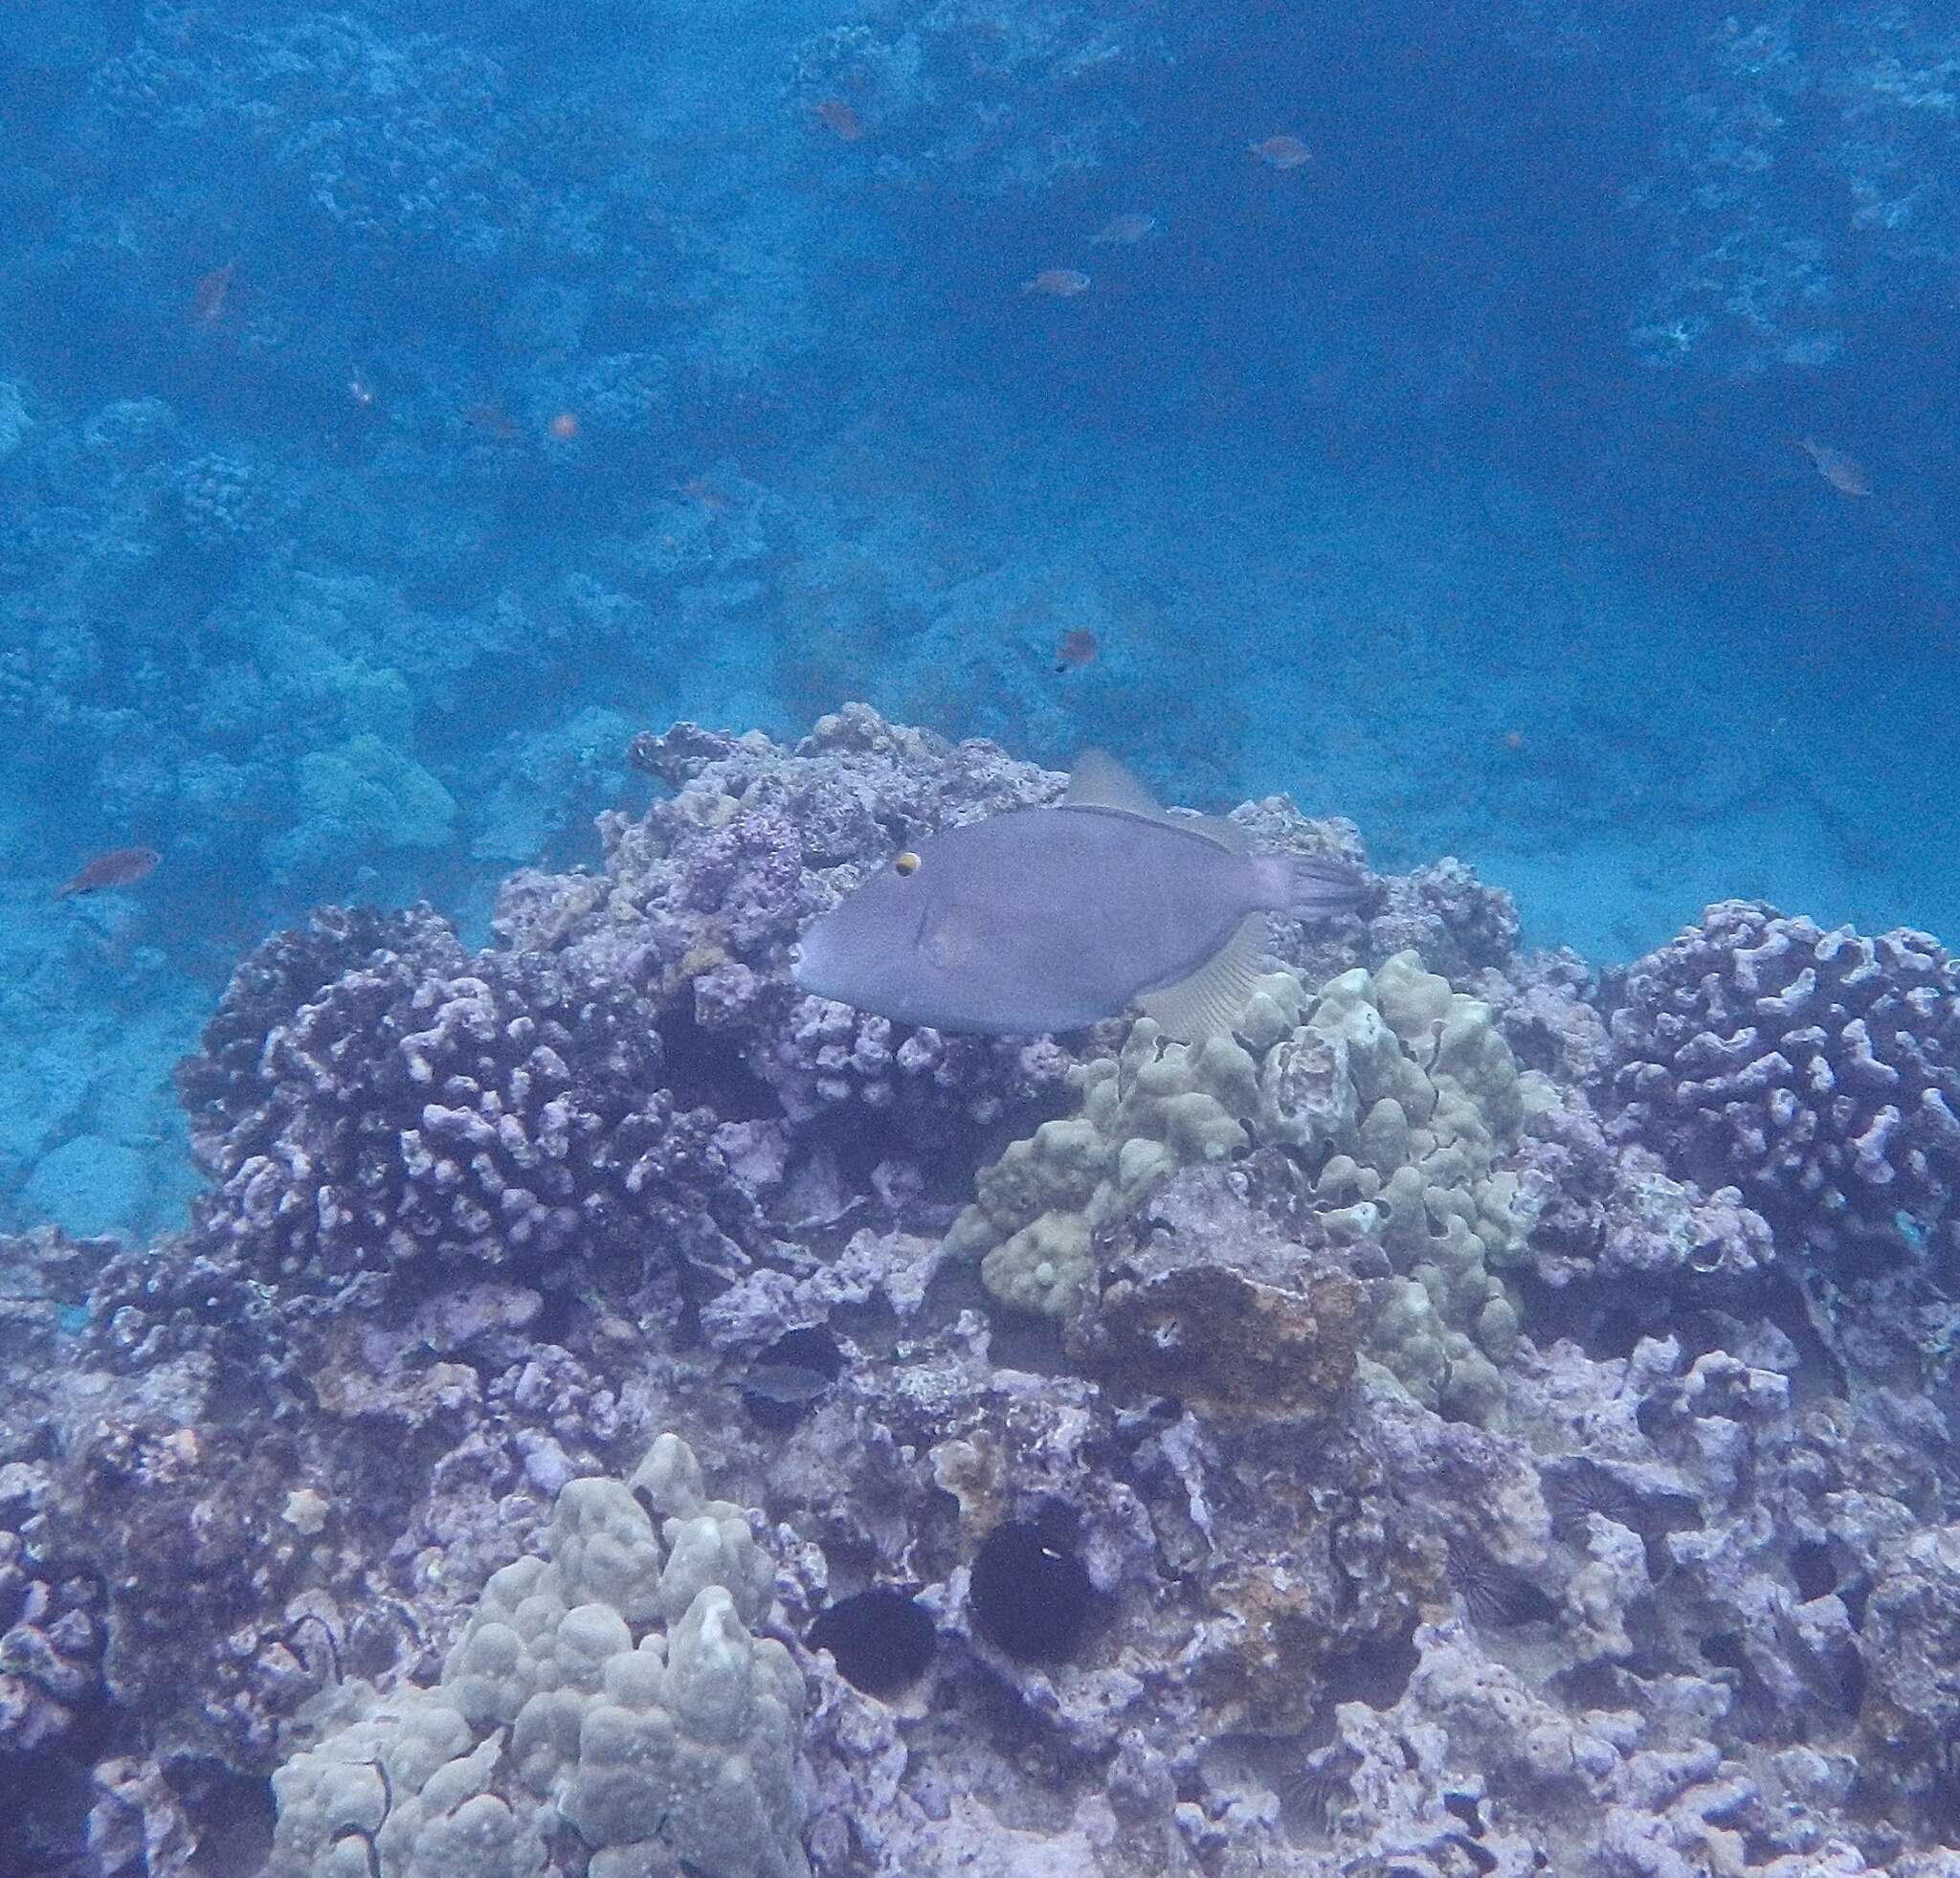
(118, 867)
(1051, 918)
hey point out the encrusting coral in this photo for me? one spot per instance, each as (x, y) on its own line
(1397, 1093)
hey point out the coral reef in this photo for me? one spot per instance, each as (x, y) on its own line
(1818, 1071)
(1396, 1093)
(369, 1097)
(1794, 185)
(622, 1674)
(1432, 1469)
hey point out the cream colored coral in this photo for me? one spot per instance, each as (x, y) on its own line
(1399, 1094)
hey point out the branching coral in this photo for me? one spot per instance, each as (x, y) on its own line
(1818, 1071)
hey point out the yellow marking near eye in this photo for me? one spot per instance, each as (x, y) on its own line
(907, 862)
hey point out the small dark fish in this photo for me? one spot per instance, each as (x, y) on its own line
(839, 119)
(120, 868)
(212, 292)
(1052, 919)
(1076, 648)
(789, 1384)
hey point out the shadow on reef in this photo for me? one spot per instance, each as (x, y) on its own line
(1467, 1420)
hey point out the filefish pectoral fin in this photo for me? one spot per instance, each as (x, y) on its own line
(1211, 999)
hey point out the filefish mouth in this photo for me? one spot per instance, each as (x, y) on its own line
(814, 967)
(803, 970)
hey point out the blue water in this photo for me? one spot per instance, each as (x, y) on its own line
(1448, 481)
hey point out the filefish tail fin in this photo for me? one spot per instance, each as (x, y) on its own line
(1208, 1002)
(1314, 886)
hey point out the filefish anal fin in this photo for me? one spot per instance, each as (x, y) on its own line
(1211, 999)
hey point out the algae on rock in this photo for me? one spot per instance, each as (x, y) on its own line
(1399, 1095)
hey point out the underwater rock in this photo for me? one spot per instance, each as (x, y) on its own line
(1612, 1212)
(1202, 1298)
(1459, 925)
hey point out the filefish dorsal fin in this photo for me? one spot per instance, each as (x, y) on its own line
(1226, 834)
(1099, 781)
(1208, 1002)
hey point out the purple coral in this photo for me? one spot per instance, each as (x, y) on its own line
(50, 1625)
(1819, 1071)
(370, 1096)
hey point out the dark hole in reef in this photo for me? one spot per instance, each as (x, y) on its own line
(1724, 1649)
(1465, 1807)
(553, 1322)
(1031, 1596)
(1672, 1512)
(44, 1805)
(1375, 1672)
(1857, 1595)
(234, 1815)
(1524, 1603)
(813, 1348)
(701, 1071)
(882, 1639)
(1851, 1682)
(1616, 1333)
(1810, 1565)
(1597, 1685)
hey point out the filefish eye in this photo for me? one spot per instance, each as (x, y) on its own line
(907, 862)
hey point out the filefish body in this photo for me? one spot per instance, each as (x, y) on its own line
(1054, 918)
